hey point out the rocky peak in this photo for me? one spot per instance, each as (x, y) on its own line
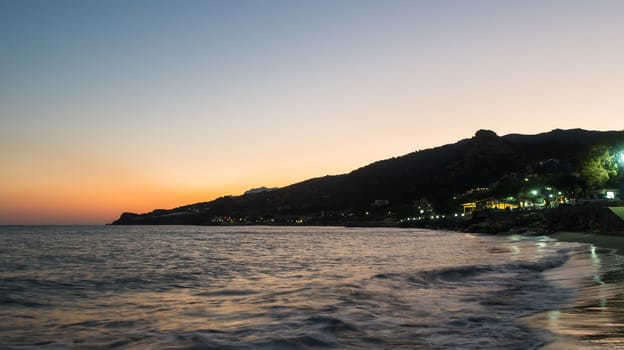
(487, 144)
(485, 135)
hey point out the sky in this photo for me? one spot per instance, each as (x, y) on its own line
(113, 106)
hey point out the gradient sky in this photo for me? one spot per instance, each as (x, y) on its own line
(111, 106)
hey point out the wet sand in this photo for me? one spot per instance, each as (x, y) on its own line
(612, 240)
(594, 318)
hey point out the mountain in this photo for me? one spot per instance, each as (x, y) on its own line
(260, 190)
(434, 176)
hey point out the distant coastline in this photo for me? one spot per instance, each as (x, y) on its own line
(562, 180)
(591, 217)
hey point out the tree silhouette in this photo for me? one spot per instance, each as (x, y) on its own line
(600, 168)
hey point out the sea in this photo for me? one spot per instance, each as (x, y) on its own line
(254, 287)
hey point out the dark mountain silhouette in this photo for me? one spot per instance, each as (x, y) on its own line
(436, 174)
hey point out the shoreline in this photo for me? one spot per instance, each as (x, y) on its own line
(611, 240)
(591, 319)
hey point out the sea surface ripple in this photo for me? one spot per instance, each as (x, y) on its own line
(175, 287)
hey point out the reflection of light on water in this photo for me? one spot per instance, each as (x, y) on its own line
(603, 303)
(541, 248)
(595, 259)
(594, 313)
(553, 318)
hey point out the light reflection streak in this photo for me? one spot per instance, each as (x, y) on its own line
(594, 311)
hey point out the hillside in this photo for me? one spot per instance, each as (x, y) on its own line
(436, 174)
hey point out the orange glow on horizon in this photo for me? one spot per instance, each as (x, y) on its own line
(92, 206)
(77, 189)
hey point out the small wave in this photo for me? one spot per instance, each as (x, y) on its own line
(98, 324)
(227, 292)
(390, 276)
(297, 342)
(249, 340)
(329, 324)
(453, 274)
(466, 273)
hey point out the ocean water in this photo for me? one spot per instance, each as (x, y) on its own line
(176, 287)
